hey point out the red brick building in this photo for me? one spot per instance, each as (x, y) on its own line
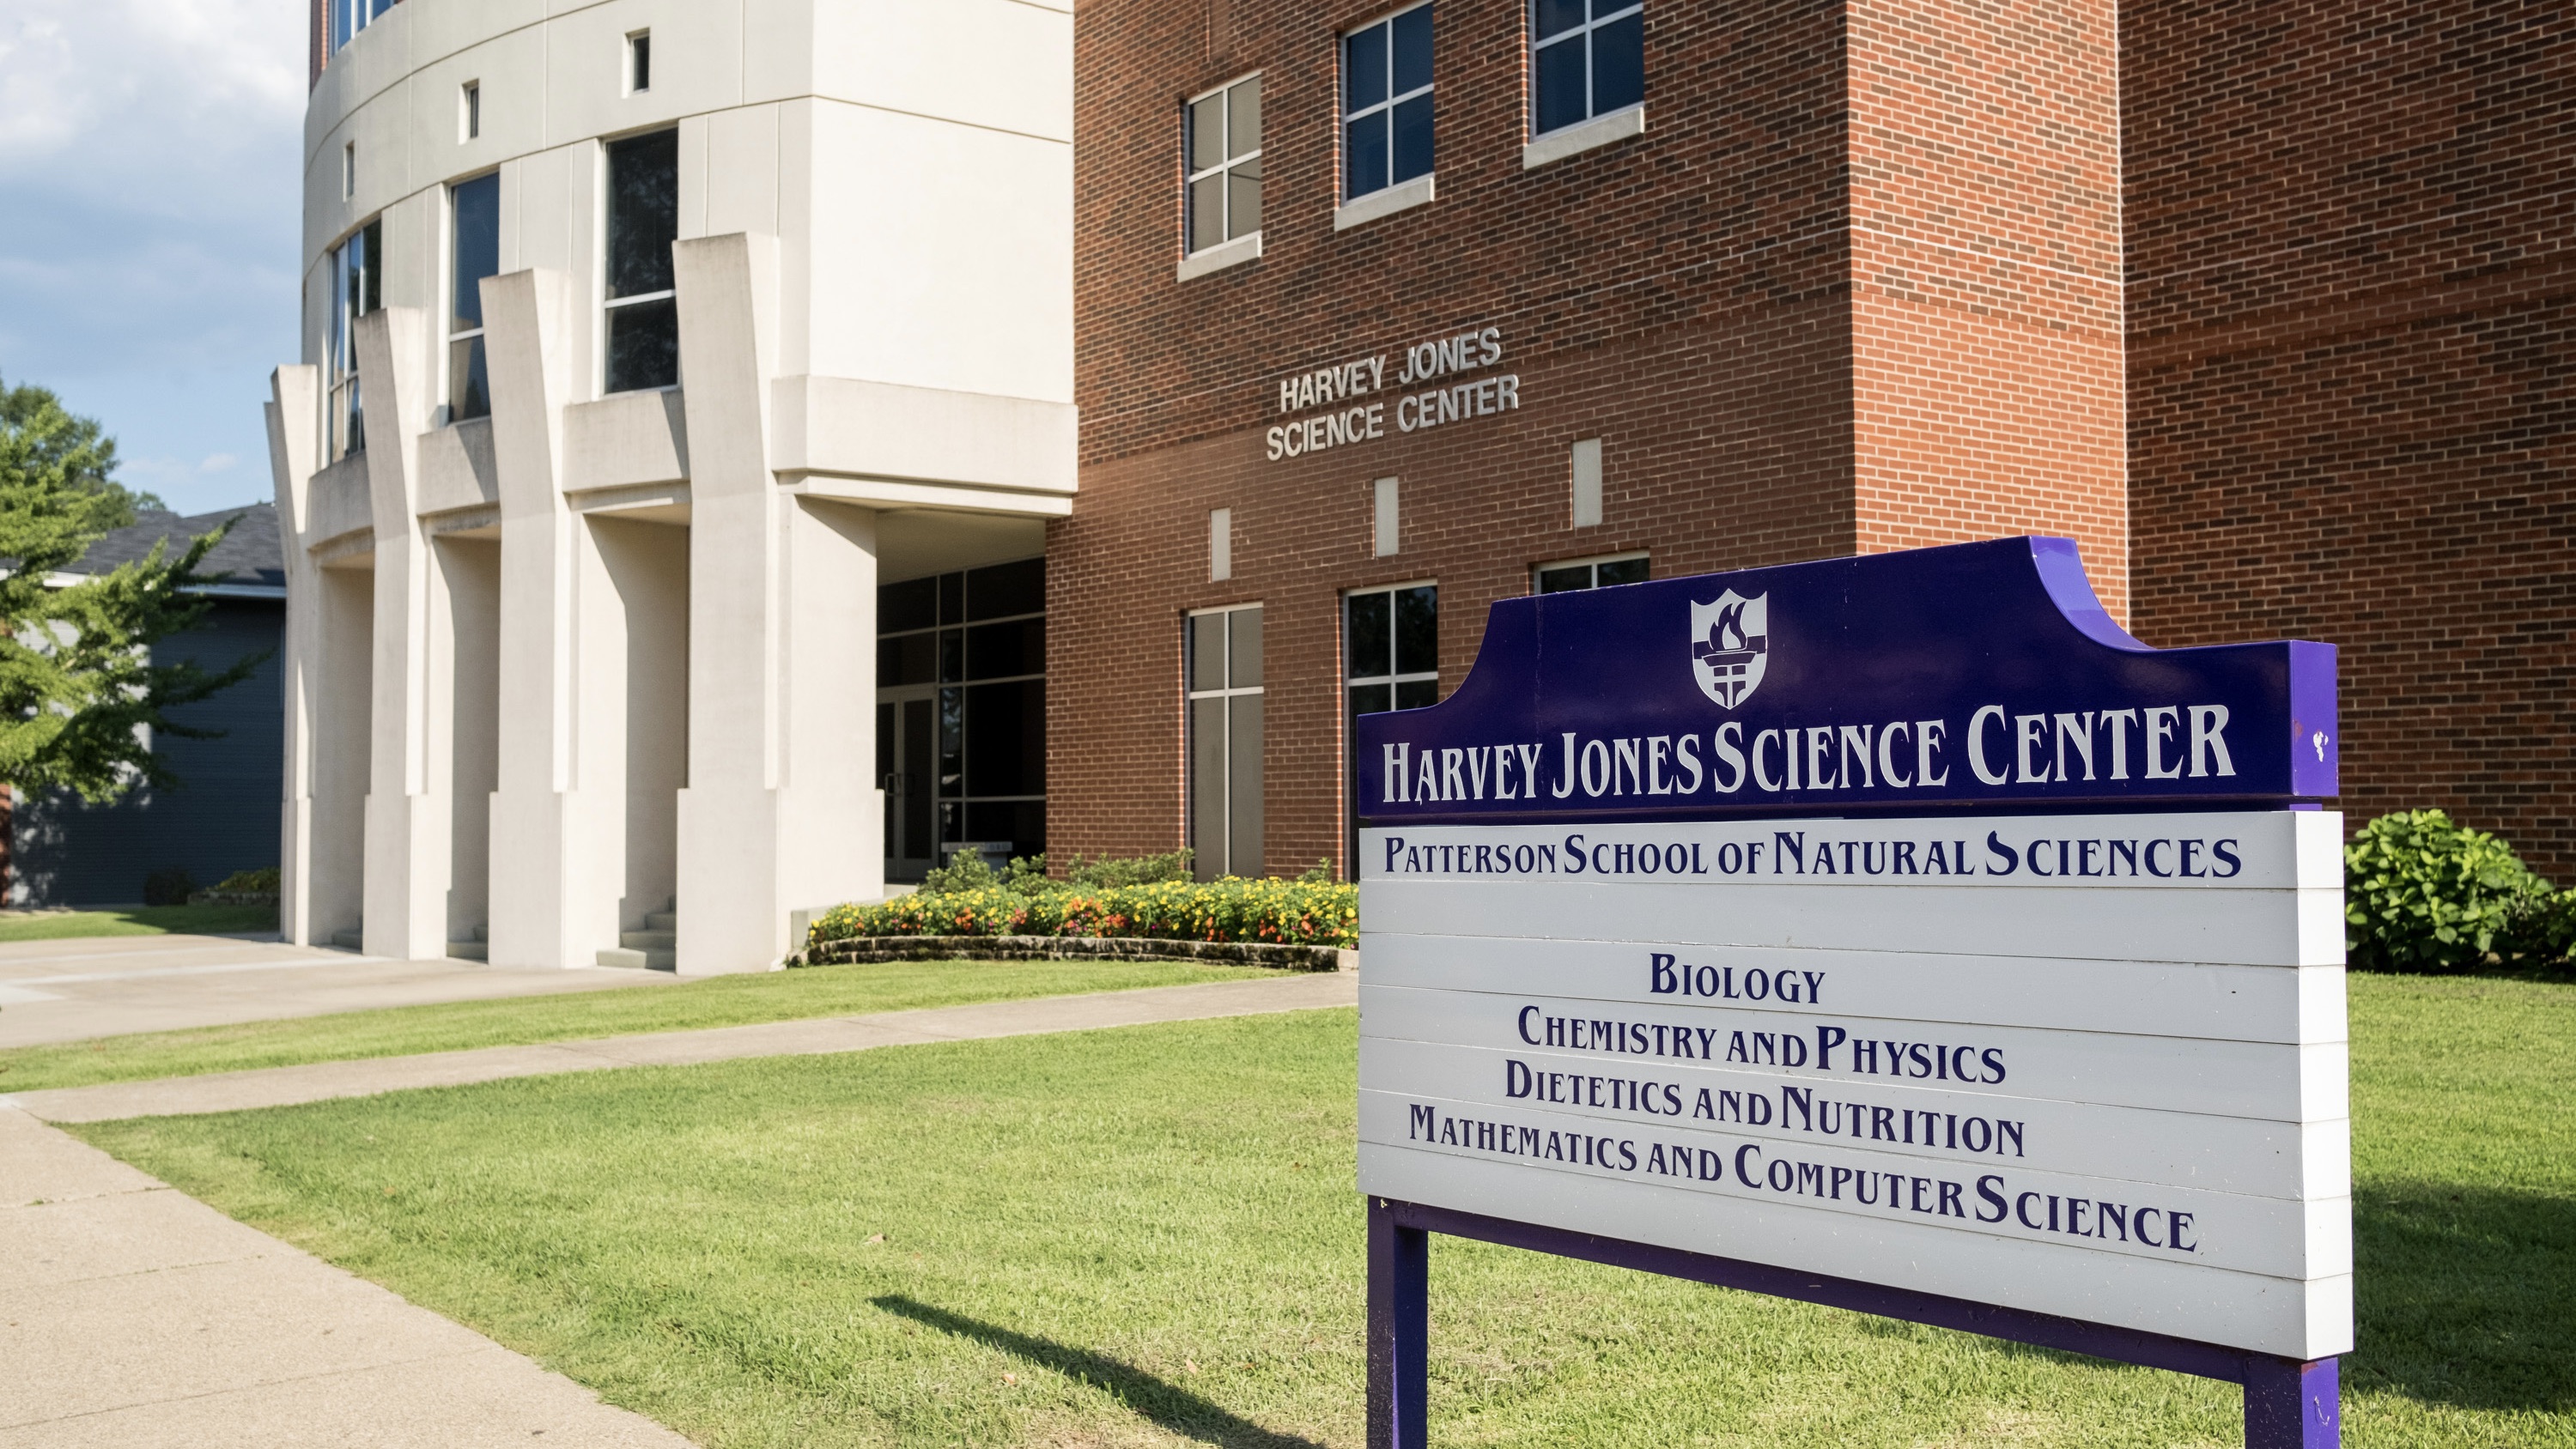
(1700, 287)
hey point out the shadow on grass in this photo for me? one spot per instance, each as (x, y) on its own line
(1168, 1405)
(2465, 1296)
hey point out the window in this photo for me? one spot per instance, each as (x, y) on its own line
(1591, 573)
(469, 111)
(348, 170)
(639, 62)
(476, 209)
(1224, 146)
(1587, 62)
(1386, 103)
(961, 714)
(348, 17)
(1224, 672)
(357, 288)
(643, 220)
(1390, 660)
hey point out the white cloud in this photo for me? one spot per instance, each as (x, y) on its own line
(150, 155)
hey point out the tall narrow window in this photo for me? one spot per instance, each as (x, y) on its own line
(357, 288)
(348, 169)
(1386, 103)
(469, 111)
(1589, 573)
(1390, 660)
(348, 17)
(1588, 58)
(476, 205)
(643, 220)
(1224, 673)
(1223, 142)
(639, 62)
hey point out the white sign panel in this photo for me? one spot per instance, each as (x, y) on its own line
(2084, 1064)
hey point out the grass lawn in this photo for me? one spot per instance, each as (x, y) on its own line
(1149, 1236)
(136, 921)
(618, 1011)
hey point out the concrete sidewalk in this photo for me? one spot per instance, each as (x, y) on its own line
(94, 986)
(135, 1316)
(285, 1086)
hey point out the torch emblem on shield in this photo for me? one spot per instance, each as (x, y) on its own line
(1730, 642)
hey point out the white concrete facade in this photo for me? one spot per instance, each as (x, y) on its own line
(560, 673)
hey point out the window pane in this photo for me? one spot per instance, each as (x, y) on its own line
(1207, 211)
(478, 248)
(952, 598)
(1553, 16)
(1561, 580)
(1412, 50)
(996, 651)
(1625, 571)
(919, 800)
(1243, 784)
(1021, 822)
(1207, 786)
(908, 659)
(1364, 154)
(1207, 132)
(1006, 738)
(1002, 590)
(643, 212)
(1417, 694)
(1371, 698)
(912, 604)
(952, 655)
(469, 393)
(371, 267)
(1619, 64)
(1207, 651)
(952, 744)
(1364, 69)
(1243, 670)
(1417, 630)
(1560, 85)
(1412, 139)
(1243, 123)
(1243, 193)
(643, 345)
(1371, 636)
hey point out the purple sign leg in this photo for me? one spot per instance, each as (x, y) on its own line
(2292, 1405)
(1399, 1329)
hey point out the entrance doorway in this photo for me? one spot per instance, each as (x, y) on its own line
(906, 739)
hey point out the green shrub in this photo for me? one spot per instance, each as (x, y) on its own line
(1284, 912)
(2423, 894)
(249, 882)
(168, 887)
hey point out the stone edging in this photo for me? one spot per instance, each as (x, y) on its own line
(212, 897)
(854, 949)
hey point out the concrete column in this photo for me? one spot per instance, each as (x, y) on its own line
(778, 813)
(407, 822)
(294, 428)
(538, 847)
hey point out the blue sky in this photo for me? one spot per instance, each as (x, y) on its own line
(148, 220)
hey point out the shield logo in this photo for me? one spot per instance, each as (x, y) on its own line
(1730, 643)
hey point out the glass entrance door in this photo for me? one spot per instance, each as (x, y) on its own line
(905, 763)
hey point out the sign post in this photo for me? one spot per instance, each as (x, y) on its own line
(1894, 933)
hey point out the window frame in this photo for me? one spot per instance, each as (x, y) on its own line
(1575, 35)
(469, 105)
(638, 68)
(1394, 676)
(1345, 117)
(1202, 866)
(1191, 175)
(952, 678)
(350, 17)
(343, 411)
(1594, 563)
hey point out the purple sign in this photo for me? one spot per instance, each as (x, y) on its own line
(1981, 674)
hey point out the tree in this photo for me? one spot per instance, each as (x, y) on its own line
(80, 692)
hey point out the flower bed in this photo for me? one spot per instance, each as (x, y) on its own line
(1270, 912)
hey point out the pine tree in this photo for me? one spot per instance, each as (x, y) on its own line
(80, 691)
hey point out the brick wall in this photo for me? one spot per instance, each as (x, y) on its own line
(2352, 334)
(1854, 288)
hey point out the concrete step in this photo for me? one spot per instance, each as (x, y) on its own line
(648, 940)
(640, 960)
(475, 950)
(662, 921)
(352, 939)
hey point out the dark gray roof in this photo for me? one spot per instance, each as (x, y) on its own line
(250, 554)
